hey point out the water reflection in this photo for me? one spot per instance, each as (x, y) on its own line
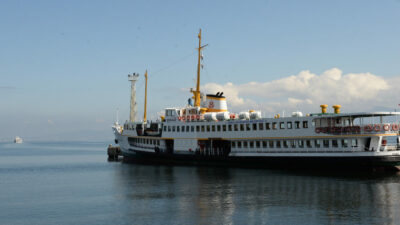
(201, 195)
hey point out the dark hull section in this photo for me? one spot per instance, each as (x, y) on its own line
(336, 163)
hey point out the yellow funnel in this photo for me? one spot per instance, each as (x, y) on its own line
(337, 108)
(323, 108)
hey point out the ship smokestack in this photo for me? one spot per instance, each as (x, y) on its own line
(336, 108)
(323, 108)
(133, 78)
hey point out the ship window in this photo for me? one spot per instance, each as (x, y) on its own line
(286, 144)
(317, 143)
(354, 143)
(173, 128)
(267, 126)
(241, 127)
(218, 127)
(208, 128)
(264, 144)
(274, 125)
(338, 121)
(202, 128)
(301, 144)
(223, 127)
(257, 144)
(213, 128)
(158, 142)
(235, 127)
(177, 129)
(251, 144)
(261, 126)
(254, 126)
(278, 144)
(244, 144)
(169, 128)
(192, 128)
(289, 125)
(165, 128)
(308, 143)
(282, 125)
(197, 128)
(326, 143)
(271, 144)
(248, 126)
(335, 143)
(187, 128)
(230, 127)
(293, 143)
(239, 144)
(345, 143)
(183, 129)
(305, 124)
(297, 124)
(233, 144)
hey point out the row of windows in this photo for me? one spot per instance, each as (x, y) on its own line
(238, 127)
(309, 143)
(144, 141)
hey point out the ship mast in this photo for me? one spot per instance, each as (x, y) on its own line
(196, 93)
(145, 100)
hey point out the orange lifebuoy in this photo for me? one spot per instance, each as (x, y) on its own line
(395, 127)
(368, 128)
(356, 129)
(386, 127)
(377, 127)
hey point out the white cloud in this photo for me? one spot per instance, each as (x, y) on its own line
(306, 91)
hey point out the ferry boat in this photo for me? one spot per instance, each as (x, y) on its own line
(17, 140)
(206, 132)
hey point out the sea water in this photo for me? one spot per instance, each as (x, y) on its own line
(74, 183)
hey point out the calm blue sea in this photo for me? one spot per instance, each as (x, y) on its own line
(73, 183)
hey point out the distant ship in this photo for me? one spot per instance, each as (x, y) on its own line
(17, 140)
(205, 132)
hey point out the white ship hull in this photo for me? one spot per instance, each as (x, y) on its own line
(300, 147)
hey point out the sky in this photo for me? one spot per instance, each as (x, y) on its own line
(64, 64)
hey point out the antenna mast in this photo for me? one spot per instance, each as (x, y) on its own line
(145, 100)
(133, 78)
(196, 93)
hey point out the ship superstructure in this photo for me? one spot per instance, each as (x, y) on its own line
(206, 131)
